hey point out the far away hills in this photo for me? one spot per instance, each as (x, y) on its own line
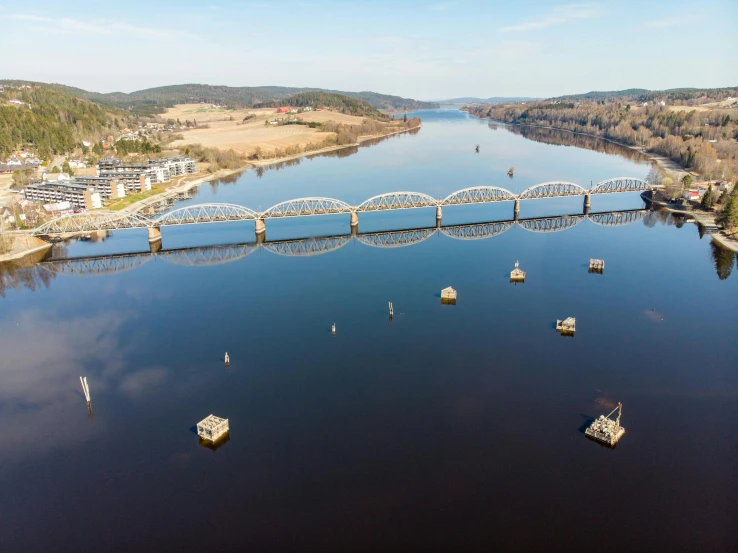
(152, 101)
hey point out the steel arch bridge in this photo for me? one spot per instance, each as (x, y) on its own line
(305, 247)
(309, 206)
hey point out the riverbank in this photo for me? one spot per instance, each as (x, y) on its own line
(22, 247)
(706, 220)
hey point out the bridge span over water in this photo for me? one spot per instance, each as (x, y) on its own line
(303, 207)
(305, 247)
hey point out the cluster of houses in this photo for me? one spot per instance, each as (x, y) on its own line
(114, 180)
(293, 110)
(696, 194)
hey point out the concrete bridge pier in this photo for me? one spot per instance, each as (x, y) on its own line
(439, 216)
(155, 235)
(260, 227)
(354, 230)
(516, 209)
(354, 220)
(587, 203)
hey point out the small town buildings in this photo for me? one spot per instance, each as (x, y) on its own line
(283, 110)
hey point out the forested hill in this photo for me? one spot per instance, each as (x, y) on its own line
(689, 96)
(337, 102)
(152, 101)
(50, 120)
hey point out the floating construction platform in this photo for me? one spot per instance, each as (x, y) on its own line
(567, 327)
(448, 295)
(606, 430)
(517, 274)
(597, 266)
(212, 428)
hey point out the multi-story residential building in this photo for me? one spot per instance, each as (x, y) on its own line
(110, 188)
(80, 196)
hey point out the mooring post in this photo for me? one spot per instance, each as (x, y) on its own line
(260, 227)
(587, 203)
(354, 219)
(516, 209)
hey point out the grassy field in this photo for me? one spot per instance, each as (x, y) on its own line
(228, 130)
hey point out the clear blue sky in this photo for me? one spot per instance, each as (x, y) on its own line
(423, 50)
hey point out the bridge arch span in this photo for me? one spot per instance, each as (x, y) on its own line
(306, 206)
(620, 184)
(91, 221)
(478, 195)
(204, 213)
(398, 200)
(552, 190)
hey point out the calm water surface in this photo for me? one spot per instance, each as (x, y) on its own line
(452, 428)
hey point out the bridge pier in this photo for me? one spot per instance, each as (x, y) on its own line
(155, 247)
(260, 227)
(354, 220)
(439, 216)
(587, 203)
(516, 209)
(354, 230)
(154, 234)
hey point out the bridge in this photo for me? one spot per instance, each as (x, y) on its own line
(306, 247)
(305, 207)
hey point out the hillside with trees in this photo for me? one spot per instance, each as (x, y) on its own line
(153, 101)
(50, 121)
(673, 96)
(335, 102)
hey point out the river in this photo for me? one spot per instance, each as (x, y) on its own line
(450, 427)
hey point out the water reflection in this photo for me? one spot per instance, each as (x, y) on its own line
(563, 138)
(724, 260)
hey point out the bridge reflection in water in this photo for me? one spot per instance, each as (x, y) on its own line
(304, 247)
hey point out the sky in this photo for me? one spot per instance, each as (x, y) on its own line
(422, 50)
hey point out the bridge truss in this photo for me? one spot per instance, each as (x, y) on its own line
(305, 247)
(300, 207)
